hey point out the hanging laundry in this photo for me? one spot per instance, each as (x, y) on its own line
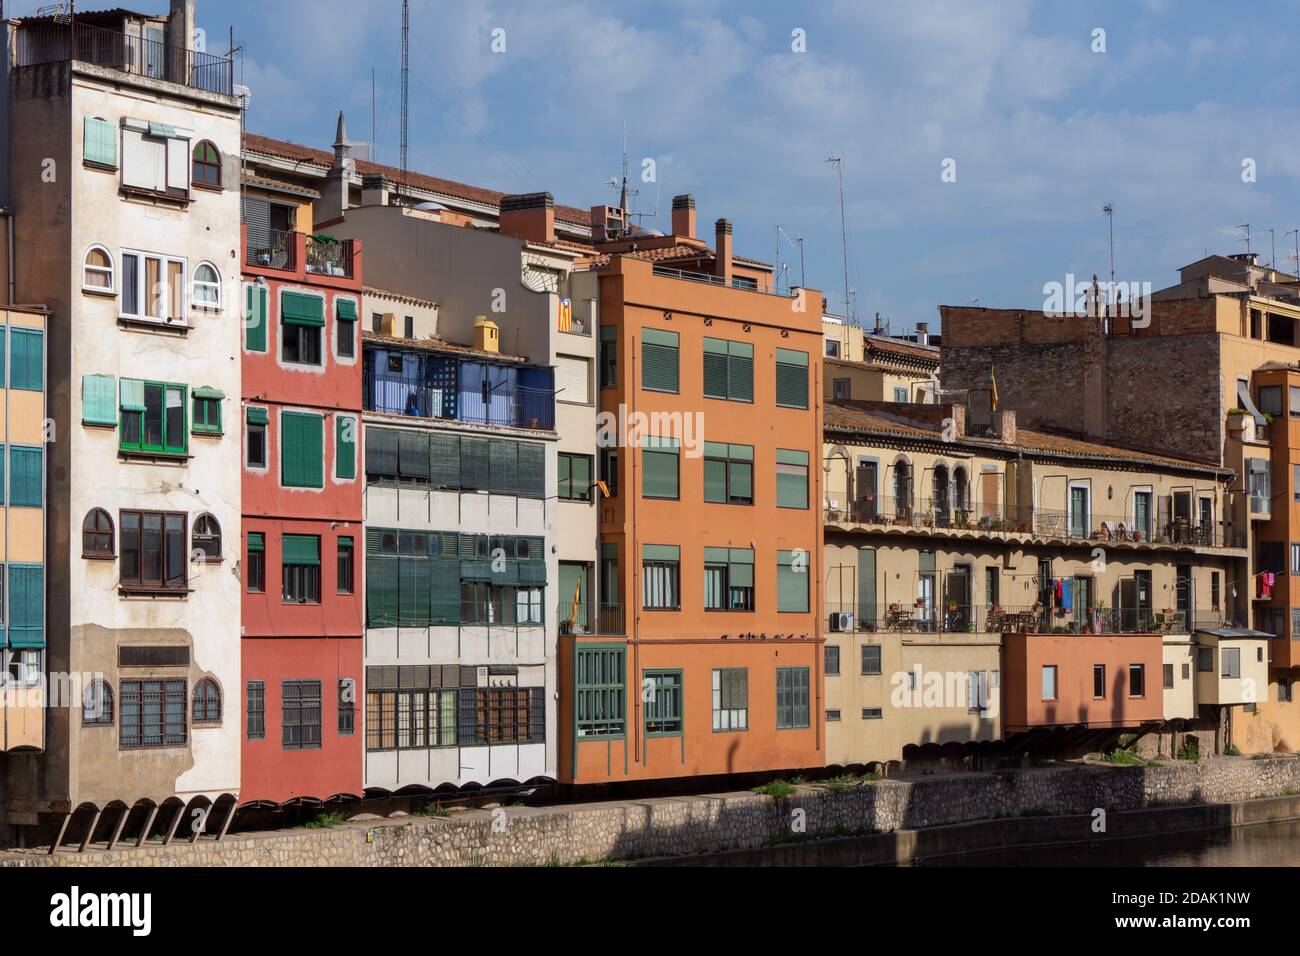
(1266, 580)
(1067, 599)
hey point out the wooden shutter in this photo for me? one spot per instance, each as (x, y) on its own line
(345, 446)
(302, 454)
(98, 400)
(255, 300)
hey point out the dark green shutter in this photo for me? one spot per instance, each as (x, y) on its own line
(413, 593)
(255, 300)
(256, 542)
(300, 549)
(345, 309)
(715, 368)
(740, 372)
(659, 472)
(381, 452)
(296, 308)
(866, 586)
(444, 590)
(659, 370)
(381, 583)
(474, 464)
(444, 461)
(715, 472)
(254, 415)
(791, 478)
(26, 606)
(791, 585)
(345, 446)
(413, 455)
(791, 378)
(302, 440)
(25, 478)
(532, 470)
(27, 359)
(98, 400)
(504, 461)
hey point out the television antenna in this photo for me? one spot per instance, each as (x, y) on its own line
(796, 241)
(1246, 237)
(406, 90)
(1295, 258)
(838, 163)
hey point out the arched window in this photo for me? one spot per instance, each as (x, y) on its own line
(97, 703)
(207, 286)
(903, 489)
(207, 537)
(207, 702)
(97, 534)
(98, 276)
(960, 489)
(207, 165)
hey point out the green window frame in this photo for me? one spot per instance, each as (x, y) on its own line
(345, 447)
(728, 370)
(206, 418)
(27, 359)
(100, 142)
(99, 400)
(792, 698)
(574, 477)
(302, 450)
(660, 468)
(153, 417)
(664, 710)
(728, 473)
(659, 361)
(792, 584)
(256, 298)
(600, 691)
(4, 497)
(26, 477)
(791, 478)
(791, 378)
(728, 579)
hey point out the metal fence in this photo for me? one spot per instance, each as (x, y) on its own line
(585, 617)
(951, 618)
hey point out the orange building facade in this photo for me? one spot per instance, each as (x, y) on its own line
(710, 539)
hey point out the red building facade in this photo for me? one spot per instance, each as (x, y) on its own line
(302, 540)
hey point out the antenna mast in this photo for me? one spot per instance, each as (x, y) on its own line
(1296, 257)
(838, 162)
(406, 85)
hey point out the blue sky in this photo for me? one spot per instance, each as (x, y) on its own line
(1043, 130)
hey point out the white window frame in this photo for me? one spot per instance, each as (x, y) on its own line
(182, 152)
(196, 283)
(86, 267)
(31, 673)
(142, 294)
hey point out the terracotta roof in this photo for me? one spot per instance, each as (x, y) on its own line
(677, 253)
(399, 296)
(280, 185)
(438, 345)
(870, 418)
(254, 142)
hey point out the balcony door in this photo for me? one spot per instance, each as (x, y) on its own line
(1142, 514)
(1080, 520)
(865, 507)
(941, 496)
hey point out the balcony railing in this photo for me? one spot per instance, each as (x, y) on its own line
(932, 514)
(395, 393)
(328, 256)
(590, 618)
(53, 42)
(957, 618)
(275, 250)
(707, 278)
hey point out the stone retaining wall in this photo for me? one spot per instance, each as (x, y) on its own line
(670, 826)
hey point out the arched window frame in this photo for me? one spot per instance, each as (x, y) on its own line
(95, 554)
(208, 543)
(205, 172)
(97, 704)
(206, 704)
(109, 272)
(211, 288)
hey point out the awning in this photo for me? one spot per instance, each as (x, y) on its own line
(205, 391)
(256, 416)
(299, 309)
(346, 309)
(1243, 398)
(1232, 633)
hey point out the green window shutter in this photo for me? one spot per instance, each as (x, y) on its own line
(302, 450)
(715, 480)
(474, 464)
(661, 552)
(381, 452)
(740, 372)
(254, 415)
(297, 308)
(345, 446)
(26, 606)
(532, 470)
(255, 300)
(25, 478)
(100, 145)
(256, 542)
(444, 590)
(413, 455)
(791, 478)
(300, 549)
(659, 371)
(345, 309)
(791, 378)
(715, 368)
(791, 584)
(26, 359)
(98, 400)
(444, 461)
(503, 461)
(381, 589)
(413, 591)
(659, 469)
(3, 499)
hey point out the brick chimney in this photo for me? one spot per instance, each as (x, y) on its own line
(530, 216)
(1095, 399)
(1004, 426)
(722, 250)
(180, 37)
(684, 216)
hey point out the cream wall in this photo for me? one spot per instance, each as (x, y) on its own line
(1180, 700)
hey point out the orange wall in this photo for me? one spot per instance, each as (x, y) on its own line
(1025, 655)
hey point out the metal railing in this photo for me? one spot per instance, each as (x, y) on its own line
(277, 250)
(328, 256)
(54, 42)
(930, 514)
(590, 618)
(395, 393)
(956, 618)
(709, 279)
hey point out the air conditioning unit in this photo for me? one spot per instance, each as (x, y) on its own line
(841, 622)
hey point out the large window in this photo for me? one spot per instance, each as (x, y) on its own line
(1230, 661)
(728, 370)
(574, 477)
(791, 478)
(728, 473)
(153, 418)
(792, 573)
(302, 323)
(659, 362)
(153, 714)
(728, 579)
(300, 714)
(154, 551)
(792, 698)
(255, 708)
(154, 287)
(600, 690)
(410, 718)
(503, 715)
(731, 699)
(664, 715)
(659, 468)
(791, 378)
(155, 159)
(660, 576)
(302, 450)
(300, 560)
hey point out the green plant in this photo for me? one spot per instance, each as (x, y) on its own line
(1231, 751)
(322, 821)
(842, 782)
(1188, 752)
(780, 789)
(431, 809)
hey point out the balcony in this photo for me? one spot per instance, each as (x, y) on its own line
(708, 278)
(585, 618)
(272, 249)
(54, 42)
(933, 516)
(957, 618)
(328, 256)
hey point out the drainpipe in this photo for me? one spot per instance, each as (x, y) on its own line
(9, 226)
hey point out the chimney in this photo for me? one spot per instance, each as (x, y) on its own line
(334, 196)
(487, 336)
(180, 38)
(1095, 400)
(606, 223)
(374, 190)
(722, 250)
(923, 333)
(1004, 426)
(684, 216)
(530, 216)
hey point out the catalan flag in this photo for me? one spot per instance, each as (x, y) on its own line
(993, 378)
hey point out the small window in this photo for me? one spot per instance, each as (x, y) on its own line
(207, 537)
(206, 412)
(97, 534)
(832, 660)
(99, 275)
(870, 659)
(348, 706)
(872, 713)
(1169, 676)
(207, 166)
(207, 286)
(1049, 682)
(832, 715)
(255, 708)
(346, 563)
(97, 704)
(1137, 680)
(207, 702)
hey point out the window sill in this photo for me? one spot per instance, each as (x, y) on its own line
(98, 557)
(104, 425)
(99, 167)
(153, 456)
(179, 594)
(153, 325)
(206, 187)
(205, 433)
(148, 195)
(100, 293)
